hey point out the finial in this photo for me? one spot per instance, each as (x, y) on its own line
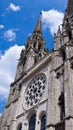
(59, 30)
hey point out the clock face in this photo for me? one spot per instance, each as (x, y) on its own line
(35, 90)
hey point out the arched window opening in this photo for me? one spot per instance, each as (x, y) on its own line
(20, 87)
(34, 45)
(39, 47)
(68, 29)
(62, 106)
(19, 126)
(67, 20)
(35, 59)
(40, 55)
(63, 54)
(32, 122)
(43, 122)
(70, 34)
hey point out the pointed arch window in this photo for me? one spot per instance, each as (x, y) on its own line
(69, 31)
(19, 126)
(32, 122)
(62, 106)
(63, 54)
(40, 46)
(43, 122)
(34, 45)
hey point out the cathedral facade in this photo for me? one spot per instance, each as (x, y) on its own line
(41, 96)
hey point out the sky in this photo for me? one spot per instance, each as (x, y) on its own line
(18, 19)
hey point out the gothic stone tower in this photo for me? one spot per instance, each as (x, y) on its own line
(41, 96)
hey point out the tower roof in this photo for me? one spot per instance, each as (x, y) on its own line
(36, 37)
(35, 48)
(38, 27)
(70, 7)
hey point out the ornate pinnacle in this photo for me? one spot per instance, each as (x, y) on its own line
(59, 30)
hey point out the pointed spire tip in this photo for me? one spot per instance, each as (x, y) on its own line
(69, 9)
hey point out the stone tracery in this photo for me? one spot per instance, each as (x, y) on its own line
(35, 90)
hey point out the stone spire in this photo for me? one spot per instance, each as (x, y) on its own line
(59, 30)
(70, 7)
(34, 50)
(36, 40)
(38, 27)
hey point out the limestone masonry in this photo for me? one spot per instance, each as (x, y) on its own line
(41, 96)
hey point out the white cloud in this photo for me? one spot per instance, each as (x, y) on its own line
(10, 35)
(1, 26)
(8, 63)
(51, 19)
(14, 7)
(11, 7)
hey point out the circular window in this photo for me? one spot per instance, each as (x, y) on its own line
(35, 90)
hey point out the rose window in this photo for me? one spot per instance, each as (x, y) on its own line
(35, 90)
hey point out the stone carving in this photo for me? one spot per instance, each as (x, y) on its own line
(22, 59)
